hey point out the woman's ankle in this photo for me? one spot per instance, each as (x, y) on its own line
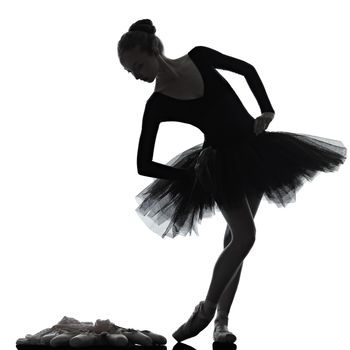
(221, 316)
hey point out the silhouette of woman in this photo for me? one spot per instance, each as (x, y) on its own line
(237, 164)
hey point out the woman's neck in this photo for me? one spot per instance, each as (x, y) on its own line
(169, 72)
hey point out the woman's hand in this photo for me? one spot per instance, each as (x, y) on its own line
(261, 123)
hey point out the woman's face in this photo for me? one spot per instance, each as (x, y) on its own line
(141, 64)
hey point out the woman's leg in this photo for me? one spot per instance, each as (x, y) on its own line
(229, 292)
(239, 217)
(240, 221)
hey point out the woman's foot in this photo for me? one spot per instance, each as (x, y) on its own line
(200, 318)
(222, 334)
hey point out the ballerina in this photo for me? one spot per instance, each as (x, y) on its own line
(238, 163)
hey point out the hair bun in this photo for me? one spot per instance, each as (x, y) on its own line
(143, 25)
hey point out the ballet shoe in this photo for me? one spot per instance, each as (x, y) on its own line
(195, 324)
(222, 334)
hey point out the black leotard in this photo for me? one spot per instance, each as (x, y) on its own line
(219, 113)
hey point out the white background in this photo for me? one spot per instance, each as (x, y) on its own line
(72, 243)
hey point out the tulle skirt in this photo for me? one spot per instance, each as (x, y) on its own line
(273, 163)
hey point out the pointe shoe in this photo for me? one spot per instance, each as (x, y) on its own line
(222, 334)
(195, 324)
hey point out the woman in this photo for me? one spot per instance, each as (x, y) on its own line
(237, 164)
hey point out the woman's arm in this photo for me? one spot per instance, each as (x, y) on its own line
(221, 61)
(145, 165)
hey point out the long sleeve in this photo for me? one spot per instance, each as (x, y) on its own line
(145, 165)
(222, 61)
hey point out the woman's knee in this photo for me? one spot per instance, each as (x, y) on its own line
(245, 241)
(239, 248)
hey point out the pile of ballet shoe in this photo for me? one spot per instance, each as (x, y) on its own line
(70, 332)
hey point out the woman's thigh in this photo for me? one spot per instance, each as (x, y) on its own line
(239, 218)
(254, 200)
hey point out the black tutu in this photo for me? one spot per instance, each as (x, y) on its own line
(275, 164)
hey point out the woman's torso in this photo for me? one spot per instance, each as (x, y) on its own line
(205, 100)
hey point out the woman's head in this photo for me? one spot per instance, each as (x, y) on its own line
(139, 49)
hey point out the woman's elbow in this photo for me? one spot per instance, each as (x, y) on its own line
(141, 168)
